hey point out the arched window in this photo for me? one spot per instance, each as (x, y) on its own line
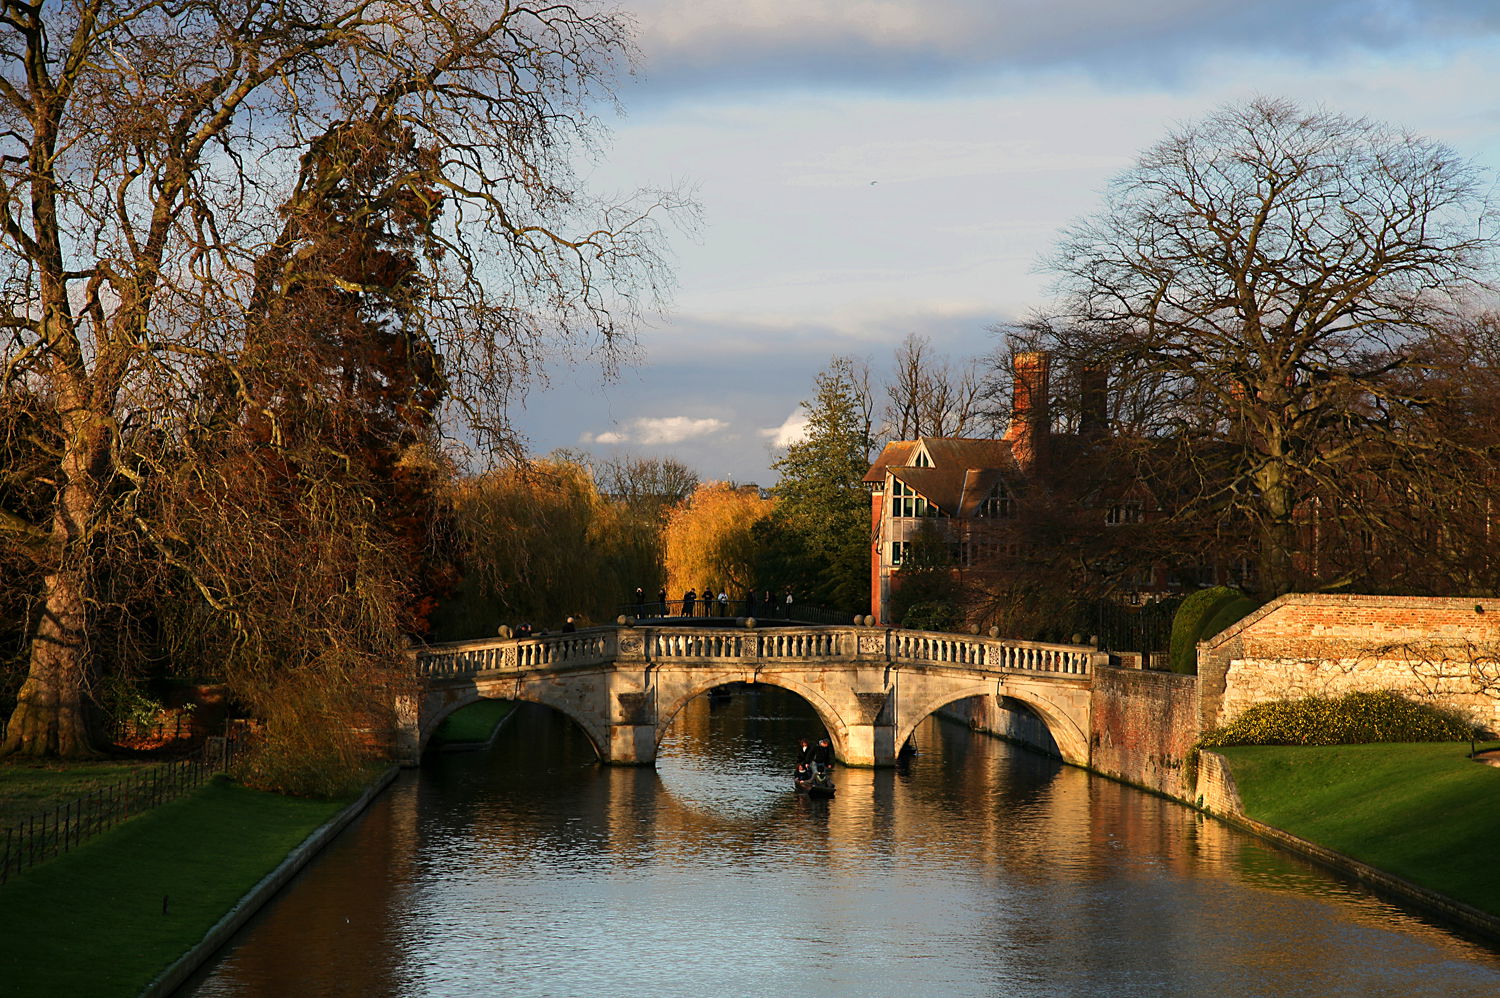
(1000, 504)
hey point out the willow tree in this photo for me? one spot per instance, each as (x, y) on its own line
(709, 537)
(151, 155)
(1270, 277)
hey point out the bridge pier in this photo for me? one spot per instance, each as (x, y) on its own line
(630, 745)
(868, 745)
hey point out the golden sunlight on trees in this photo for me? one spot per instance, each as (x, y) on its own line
(539, 543)
(710, 539)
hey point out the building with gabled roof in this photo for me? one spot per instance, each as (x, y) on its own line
(972, 489)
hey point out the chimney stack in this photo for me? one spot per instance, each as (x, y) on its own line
(1030, 420)
(1093, 401)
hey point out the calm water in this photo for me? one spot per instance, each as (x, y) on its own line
(983, 870)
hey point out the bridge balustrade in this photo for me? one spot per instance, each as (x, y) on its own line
(603, 645)
(463, 659)
(801, 644)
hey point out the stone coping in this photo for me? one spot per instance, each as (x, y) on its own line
(174, 976)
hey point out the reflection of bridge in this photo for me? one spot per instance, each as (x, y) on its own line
(870, 686)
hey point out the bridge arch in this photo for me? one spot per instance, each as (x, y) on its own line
(1072, 741)
(516, 693)
(685, 692)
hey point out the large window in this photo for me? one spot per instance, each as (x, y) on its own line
(905, 502)
(1000, 504)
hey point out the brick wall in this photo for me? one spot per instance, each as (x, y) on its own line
(1145, 726)
(1429, 648)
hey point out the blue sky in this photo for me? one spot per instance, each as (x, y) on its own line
(872, 169)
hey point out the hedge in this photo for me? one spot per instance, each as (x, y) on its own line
(1352, 719)
(1189, 622)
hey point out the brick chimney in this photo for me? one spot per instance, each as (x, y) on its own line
(1030, 420)
(1093, 401)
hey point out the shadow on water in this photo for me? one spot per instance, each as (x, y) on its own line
(979, 870)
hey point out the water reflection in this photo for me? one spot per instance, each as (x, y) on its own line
(983, 870)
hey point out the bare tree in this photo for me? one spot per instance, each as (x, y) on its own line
(155, 160)
(927, 397)
(647, 485)
(1267, 274)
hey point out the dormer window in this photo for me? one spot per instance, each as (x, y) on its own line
(1128, 511)
(1000, 504)
(922, 460)
(907, 502)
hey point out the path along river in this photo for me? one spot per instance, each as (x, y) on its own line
(982, 870)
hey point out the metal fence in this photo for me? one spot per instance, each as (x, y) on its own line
(804, 613)
(58, 830)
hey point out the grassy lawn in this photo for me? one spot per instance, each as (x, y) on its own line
(91, 923)
(1424, 812)
(29, 786)
(474, 723)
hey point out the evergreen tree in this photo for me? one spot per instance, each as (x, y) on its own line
(819, 534)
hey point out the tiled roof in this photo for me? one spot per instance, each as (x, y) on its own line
(963, 473)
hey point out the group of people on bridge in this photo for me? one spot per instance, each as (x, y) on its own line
(704, 603)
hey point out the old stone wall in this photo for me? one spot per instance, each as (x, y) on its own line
(1216, 790)
(1438, 649)
(1145, 725)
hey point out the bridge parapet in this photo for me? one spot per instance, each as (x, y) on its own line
(689, 645)
(460, 659)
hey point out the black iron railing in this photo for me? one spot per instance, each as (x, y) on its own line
(711, 608)
(59, 829)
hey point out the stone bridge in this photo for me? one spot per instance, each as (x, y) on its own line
(870, 686)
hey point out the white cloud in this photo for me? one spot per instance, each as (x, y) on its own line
(654, 430)
(792, 430)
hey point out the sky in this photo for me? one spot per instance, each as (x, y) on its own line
(868, 169)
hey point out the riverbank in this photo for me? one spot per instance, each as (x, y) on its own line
(104, 920)
(472, 727)
(1415, 821)
(136, 910)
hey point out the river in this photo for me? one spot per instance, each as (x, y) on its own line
(982, 869)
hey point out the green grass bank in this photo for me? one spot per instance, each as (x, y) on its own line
(1424, 812)
(473, 725)
(108, 917)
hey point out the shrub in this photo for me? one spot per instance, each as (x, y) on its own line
(1225, 616)
(1354, 718)
(931, 615)
(1188, 624)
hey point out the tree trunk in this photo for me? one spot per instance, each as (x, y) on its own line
(49, 719)
(49, 716)
(1278, 532)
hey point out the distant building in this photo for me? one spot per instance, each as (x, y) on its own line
(972, 492)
